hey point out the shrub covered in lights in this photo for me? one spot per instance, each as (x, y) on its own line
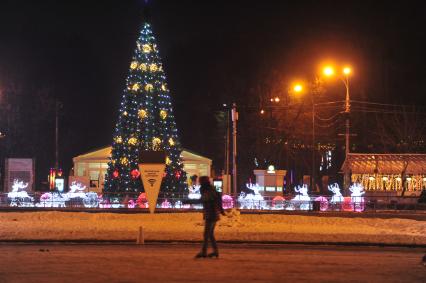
(145, 122)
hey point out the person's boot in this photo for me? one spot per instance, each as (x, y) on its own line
(214, 254)
(200, 255)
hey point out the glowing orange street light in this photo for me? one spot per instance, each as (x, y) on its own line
(262, 111)
(346, 70)
(277, 99)
(328, 71)
(298, 88)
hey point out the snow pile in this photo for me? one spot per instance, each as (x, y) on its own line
(232, 218)
(189, 227)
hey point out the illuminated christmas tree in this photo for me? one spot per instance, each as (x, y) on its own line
(145, 122)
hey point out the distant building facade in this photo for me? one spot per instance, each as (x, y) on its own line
(393, 173)
(90, 168)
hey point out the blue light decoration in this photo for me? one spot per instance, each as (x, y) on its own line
(145, 122)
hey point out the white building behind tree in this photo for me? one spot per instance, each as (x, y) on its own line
(90, 168)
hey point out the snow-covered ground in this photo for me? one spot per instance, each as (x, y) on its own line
(56, 225)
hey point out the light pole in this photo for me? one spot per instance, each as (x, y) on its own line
(298, 88)
(329, 71)
(345, 80)
(346, 72)
(234, 148)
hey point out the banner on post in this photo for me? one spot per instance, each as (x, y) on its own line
(151, 167)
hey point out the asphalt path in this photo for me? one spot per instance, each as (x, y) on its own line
(174, 262)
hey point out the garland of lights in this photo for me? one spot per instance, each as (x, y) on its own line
(389, 182)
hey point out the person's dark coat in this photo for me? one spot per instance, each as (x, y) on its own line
(212, 203)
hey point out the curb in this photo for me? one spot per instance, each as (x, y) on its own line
(171, 242)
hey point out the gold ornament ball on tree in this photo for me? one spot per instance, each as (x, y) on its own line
(142, 113)
(133, 65)
(163, 114)
(132, 141)
(168, 161)
(142, 67)
(156, 143)
(171, 142)
(136, 87)
(118, 139)
(153, 67)
(163, 87)
(149, 87)
(146, 48)
(124, 161)
(125, 113)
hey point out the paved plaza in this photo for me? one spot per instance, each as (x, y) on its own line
(174, 262)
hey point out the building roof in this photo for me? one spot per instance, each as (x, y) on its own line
(372, 163)
(104, 153)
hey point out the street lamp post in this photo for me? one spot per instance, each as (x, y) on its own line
(298, 88)
(346, 72)
(329, 71)
(313, 186)
(234, 149)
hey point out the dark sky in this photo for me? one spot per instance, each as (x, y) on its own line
(213, 52)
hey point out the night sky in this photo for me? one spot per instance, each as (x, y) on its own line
(213, 52)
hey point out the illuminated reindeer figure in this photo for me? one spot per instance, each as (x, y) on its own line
(17, 185)
(337, 195)
(194, 192)
(356, 197)
(302, 198)
(76, 190)
(17, 197)
(252, 201)
(90, 199)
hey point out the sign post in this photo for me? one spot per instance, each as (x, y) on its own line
(151, 167)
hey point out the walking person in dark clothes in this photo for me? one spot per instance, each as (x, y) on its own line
(212, 208)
